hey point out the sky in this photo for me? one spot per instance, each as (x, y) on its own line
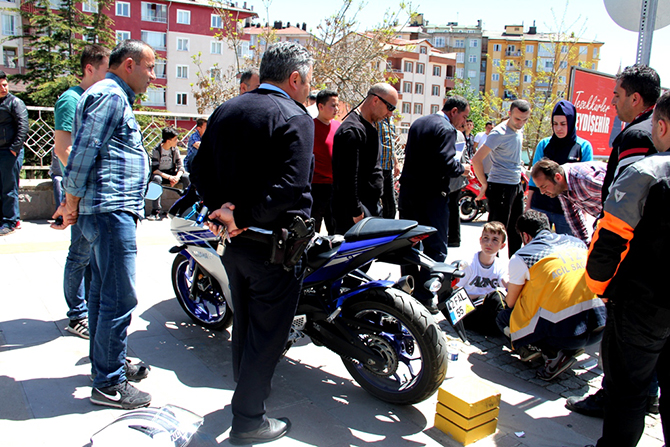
(587, 18)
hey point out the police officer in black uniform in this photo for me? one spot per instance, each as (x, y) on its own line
(254, 167)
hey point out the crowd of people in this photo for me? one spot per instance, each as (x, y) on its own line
(566, 285)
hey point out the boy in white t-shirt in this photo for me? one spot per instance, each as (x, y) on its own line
(485, 280)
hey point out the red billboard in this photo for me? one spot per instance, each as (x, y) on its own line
(591, 93)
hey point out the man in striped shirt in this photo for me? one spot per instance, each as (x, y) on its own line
(578, 187)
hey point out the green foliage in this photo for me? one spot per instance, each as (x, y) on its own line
(477, 105)
(52, 42)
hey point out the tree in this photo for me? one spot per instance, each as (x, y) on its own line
(477, 105)
(52, 41)
(350, 61)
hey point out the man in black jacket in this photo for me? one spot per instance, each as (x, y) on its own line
(357, 173)
(13, 133)
(430, 163)
(254, 168)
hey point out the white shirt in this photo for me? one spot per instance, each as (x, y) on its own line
(479, 281)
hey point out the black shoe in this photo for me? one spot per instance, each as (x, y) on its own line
(527, 353)
(592, 405)
(123, 395)
(652, 405)
(135, 373)
(271, 430)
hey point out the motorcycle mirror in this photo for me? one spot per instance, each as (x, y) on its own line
(154, 191)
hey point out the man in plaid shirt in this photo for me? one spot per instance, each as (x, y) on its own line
(578, 186)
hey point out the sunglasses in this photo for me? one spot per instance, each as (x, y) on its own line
(389, 106)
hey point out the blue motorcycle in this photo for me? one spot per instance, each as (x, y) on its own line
(388, 341)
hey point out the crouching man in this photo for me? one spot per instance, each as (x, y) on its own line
(550, 305)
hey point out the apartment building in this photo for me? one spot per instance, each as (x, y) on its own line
(282, 32)
(422, 75)
(522, 62)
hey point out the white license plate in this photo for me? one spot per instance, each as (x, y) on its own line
(459, 305)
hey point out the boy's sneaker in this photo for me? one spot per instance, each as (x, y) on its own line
(6, 229)
(18, 225)
(528, 353)
(553, 367)
(155, 215)
(78, 327)
(123, 395)
(135, 373)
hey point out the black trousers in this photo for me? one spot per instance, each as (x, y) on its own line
(388, 196)
(434, 211)
(635, 343)
(322, 195)
(454, 219)
(265, 297)
(505, 206)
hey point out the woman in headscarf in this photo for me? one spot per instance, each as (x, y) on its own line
(564, 146)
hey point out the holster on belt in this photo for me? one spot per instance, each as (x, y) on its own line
(288, 244)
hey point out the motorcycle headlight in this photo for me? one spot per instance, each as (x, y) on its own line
(433, 285)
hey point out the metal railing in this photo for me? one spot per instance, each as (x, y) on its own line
(38, 147)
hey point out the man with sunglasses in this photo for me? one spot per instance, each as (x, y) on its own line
(430, 163)
(357, 173)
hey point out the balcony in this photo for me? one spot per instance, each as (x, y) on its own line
(510, 53)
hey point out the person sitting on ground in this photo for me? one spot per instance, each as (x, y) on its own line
(550, 305)
(167, 167)
(485, 280)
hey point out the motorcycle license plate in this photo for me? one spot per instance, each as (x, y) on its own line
(459, 305)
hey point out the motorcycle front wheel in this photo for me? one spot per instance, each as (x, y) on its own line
(412, 344)
(467, 208)
(207, 305)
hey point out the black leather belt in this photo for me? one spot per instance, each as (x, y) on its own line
(256, 236)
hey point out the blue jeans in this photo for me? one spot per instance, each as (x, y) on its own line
(77, 274)
(112, 297)
(10, 166)
(558, 220)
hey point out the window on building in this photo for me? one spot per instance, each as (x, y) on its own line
(183, 17)
(122, 35)
(423, 50)
(243, 50)
(495, 77)
(530, 49)
(89, 6)
(9, 25)
(182, 71)
(564, 64)
(564, 49)
(546, 50)
(9, 58)
(418, 108)
(561, 79)
(217, 22)
(215, 74)
(472, 58)
(496, 62)
(182, 99)
(91, 37)
(437, 70)
(595, 52)
(418, 88)
(459, 43)
(438, 42)
(497, 47)
(528, 63)
(593, 65)
(407, 87)
(155, 96)
(154, 12)
(472, 73)
(157, 40)
(404, 128)
(527, 78)
(474, 43)
(182, 44)
(406, 107)
(420, 68)
(123, 9)
(435, 91)
(159, 68)
(460, 58)
(459, 73)
(583, 50)
(434, 108)
(215, 47)
(409, 67)
(53, 4)
(509, 65)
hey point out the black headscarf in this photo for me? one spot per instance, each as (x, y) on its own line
(562, 145)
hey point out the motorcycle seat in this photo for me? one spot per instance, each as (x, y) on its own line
(374, 227)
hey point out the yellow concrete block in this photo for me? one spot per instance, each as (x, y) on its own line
(468, 396)
(466, 423)
(463, 436)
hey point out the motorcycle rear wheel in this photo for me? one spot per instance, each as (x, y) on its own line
(467, 208)
(208, 306)
(412, 343)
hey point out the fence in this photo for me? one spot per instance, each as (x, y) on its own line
(38, 148)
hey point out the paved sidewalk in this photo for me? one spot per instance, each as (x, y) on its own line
(45, 385)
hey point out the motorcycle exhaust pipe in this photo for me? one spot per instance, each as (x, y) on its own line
(406, 284)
